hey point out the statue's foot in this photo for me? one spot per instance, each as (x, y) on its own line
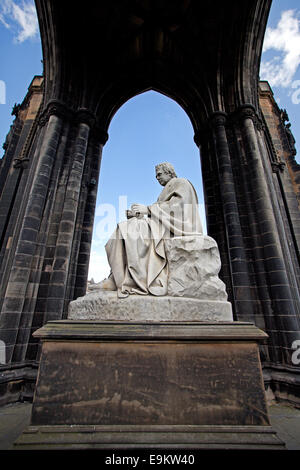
(108, 284)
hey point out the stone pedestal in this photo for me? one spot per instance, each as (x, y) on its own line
(106, 306)
(149, 385)
(195, 291)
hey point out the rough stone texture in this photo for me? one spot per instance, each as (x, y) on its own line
(154, 386)
(194, 265)
(105, 305)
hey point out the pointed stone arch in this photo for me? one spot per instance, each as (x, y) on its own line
(204, 55)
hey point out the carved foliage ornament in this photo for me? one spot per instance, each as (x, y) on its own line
(82, 115)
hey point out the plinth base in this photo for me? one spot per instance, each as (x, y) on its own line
(134, 437)
(130, 385)
(102, 305)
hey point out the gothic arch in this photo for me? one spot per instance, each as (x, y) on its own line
(167, 82)
(204, 55)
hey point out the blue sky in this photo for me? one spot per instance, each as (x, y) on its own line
(149, 128)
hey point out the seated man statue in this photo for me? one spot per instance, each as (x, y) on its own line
(136, 250)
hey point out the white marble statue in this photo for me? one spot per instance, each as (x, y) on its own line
(162, 266)
(136, 250)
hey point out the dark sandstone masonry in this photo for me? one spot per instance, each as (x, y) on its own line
(206, 57)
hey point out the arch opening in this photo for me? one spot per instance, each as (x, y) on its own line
(148, 129)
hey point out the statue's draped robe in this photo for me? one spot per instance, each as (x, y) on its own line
(136, 251)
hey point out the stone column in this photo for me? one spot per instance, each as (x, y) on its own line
(237, 257)
(282, 305)
(274, 171)
(11, 226)
(97, 142)
(59, 281)
(32, 297)
(19, 279)
(216, 227)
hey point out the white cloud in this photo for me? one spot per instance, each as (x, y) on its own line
(2, 20)
(280, 70)
(20, 17)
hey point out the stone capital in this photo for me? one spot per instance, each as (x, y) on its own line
(246, 111)
(218, 119)
(57, 108)
(85, 116)
(81, 115)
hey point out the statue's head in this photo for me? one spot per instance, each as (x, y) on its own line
(164, 173)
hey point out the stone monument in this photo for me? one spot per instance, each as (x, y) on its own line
(153, 357)
(162, 266)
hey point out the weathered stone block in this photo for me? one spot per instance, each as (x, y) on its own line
(110, 384)
(194, 265)
(105, 305)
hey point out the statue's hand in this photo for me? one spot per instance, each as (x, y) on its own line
(139, 209)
